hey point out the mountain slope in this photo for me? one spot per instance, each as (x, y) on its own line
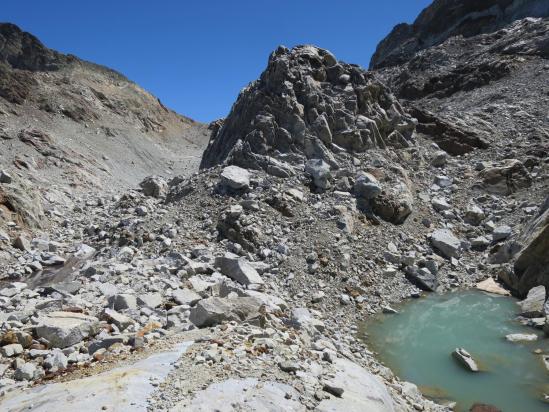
(90, 124)
(444, 19)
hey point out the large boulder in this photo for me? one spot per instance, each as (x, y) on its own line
(446, 243)
(506, 178)
(154, 186)
(532, 261)
(235, 178)
(357, 390)
(319, 171)
(63, 329)
(214, 310)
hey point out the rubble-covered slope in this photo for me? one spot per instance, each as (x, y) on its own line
(83, 124)
(67, 125)
(444, 19)
(480, 91)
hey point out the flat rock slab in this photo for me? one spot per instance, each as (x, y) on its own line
(124, 389)
(491, 286)
(238, 269)
(244, 395)
(63, 329)
(362, 391)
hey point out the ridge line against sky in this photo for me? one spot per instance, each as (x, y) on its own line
(197, 57)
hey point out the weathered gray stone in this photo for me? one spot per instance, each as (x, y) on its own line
(465, 359)
(122, 301)
(235, 178)
(446, 243)
(21, 242)
(533, 305)
(13, 349)
(521, 337)
(501, 233)
(440, 204)
(5, 177)
(154, 186)
(474, 215)
(319, 171)
(149, 300)
(238, 269)
(185, 297)
(25, 372)
(121, 321)
(56, 361)
(367, 186)
(63, 329)
(212, 311)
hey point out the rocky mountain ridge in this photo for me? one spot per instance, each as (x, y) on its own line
(444, 19)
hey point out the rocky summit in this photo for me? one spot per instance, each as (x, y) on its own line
(233, 273)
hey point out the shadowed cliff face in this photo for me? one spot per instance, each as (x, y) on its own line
(447, 18)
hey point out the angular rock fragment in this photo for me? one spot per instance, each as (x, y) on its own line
(465, 359)
(238, 269)
(154, 186)
(446, 242)
(212, 311)
(235, 178)
(63, 329)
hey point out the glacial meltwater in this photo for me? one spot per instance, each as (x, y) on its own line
(417, 343)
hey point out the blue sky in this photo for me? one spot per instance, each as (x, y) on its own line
(197, 55)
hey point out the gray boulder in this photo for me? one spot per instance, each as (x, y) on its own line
(63, 329)
(465, 359)
(238, 269)
(122, 301)
(367, 186)
(533, 305)
(235, 178)
(319, 171)
(185, 297)
(212, 311)
(446, 243)
(154, 186)
(25, 372)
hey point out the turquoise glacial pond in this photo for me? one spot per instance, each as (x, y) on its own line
(417, 343)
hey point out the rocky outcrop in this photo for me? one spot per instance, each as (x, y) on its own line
(448, 18)
(307, 105)
(532, 262)
(465, 91)
(528, 251)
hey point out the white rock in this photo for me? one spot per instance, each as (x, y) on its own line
(235, 177)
